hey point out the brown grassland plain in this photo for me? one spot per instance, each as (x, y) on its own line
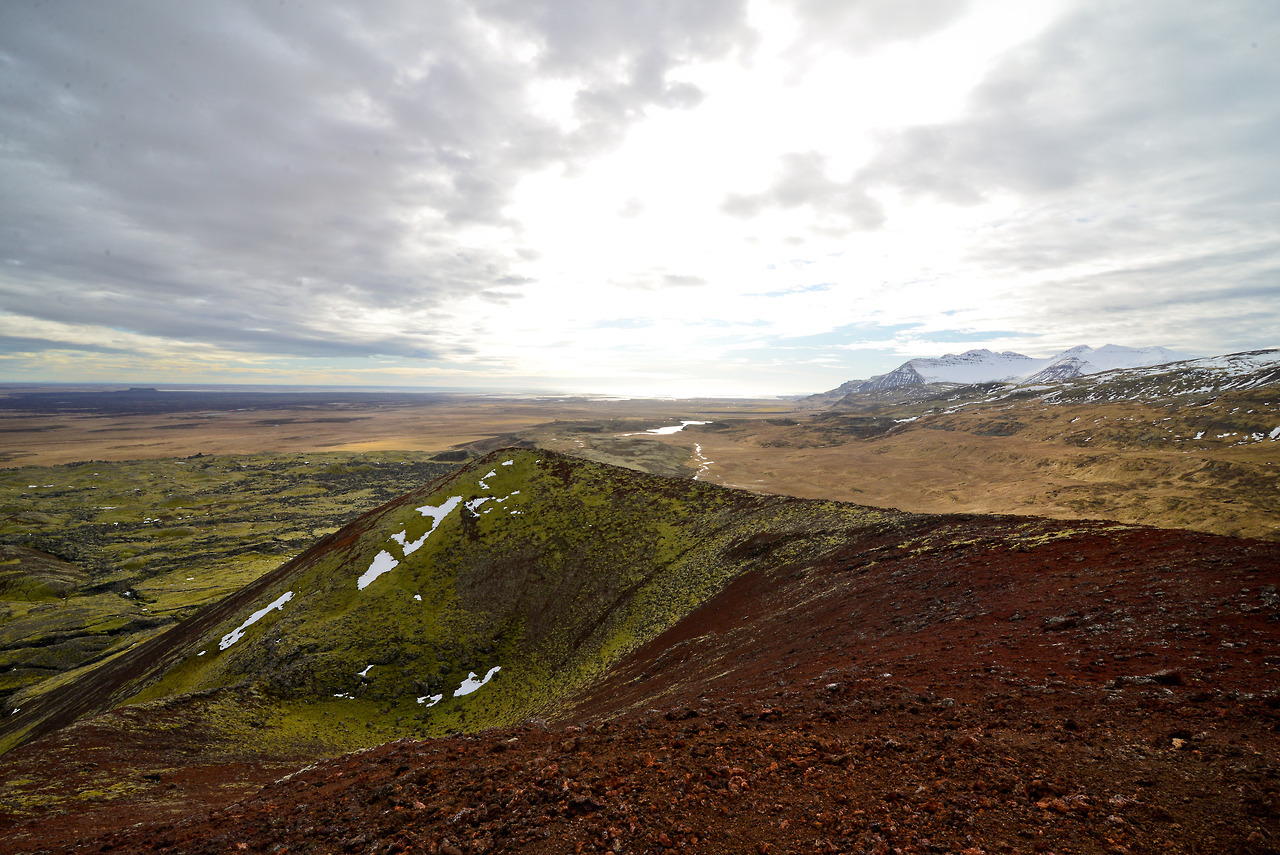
(1186, 466)
(1210, 467)
(370, 423)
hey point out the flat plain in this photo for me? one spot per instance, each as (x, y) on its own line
(44, 426)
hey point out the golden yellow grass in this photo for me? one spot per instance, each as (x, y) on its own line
(47, 440)
(1224, 488)
(1126, 470)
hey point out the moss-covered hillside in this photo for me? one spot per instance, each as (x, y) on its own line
(481, 599)
(98, 556)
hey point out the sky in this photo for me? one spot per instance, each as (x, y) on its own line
(636, 197)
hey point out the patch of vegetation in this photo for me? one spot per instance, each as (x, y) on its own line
(94, 555)
(547, 568)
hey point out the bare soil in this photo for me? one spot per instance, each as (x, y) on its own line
(979, 685)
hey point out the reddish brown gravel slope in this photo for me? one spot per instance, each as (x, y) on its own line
(973, 685)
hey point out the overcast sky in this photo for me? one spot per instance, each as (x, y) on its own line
(628, 196)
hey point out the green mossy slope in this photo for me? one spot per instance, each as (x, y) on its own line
(546, 567)
(96, 556)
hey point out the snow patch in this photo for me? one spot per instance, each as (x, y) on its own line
(684, 423)
(470, 684)
(382, 563)
(666, 431)
(365, 672)
(701, 460)
(437, 513)
(434, 699)
(238, 633)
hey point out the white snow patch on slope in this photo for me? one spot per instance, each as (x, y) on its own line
(701, 460)
(986, 366)
(437, 513)
(238, 633)
(470, 684)
(382, 563)
(977, 366)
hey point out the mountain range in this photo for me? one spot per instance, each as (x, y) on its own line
(986, 366)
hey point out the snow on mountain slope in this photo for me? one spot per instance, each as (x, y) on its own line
(986, 366)
(1206, 376)
(1112, 356)
(976, 366)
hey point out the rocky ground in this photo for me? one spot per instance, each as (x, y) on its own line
(969, 685)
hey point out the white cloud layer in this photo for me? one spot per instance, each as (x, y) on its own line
(632, 196)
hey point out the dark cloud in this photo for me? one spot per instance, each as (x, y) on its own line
(622, 53)
(625, 39)
(1154, 95)
(34, 344)
(1138, 142)
(240, 175)
(322, 180)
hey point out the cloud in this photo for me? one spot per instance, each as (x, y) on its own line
(658, 280)
(798, 289)
(802, 181)
(624, 39)
(259, 174)
(32, 344)
(1137, 182)
(621, 53)
(1108, 96)
(872, 23)
(624, 324)
(431, 186)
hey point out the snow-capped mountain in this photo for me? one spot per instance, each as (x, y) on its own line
(1208, 376)
(986, 366)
